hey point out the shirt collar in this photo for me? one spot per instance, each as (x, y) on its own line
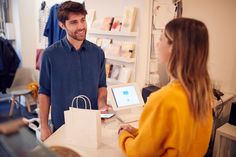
(71, 47)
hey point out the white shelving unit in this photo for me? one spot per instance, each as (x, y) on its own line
(112, 81)
(161, 12)
(112, 33)
(117, 60)
(121, 59)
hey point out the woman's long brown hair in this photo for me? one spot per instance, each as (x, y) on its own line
(188, 62)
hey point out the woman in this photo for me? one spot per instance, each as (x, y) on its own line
(177, 119)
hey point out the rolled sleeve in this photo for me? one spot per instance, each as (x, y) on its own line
(45, 73)
(102, 79)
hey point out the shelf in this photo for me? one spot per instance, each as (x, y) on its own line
(117, 60)
(112, 81)
(121, 59)
(113, 33)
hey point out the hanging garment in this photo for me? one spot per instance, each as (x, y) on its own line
(39, 54)
(9, 62)
(43, 17)
(52, 30)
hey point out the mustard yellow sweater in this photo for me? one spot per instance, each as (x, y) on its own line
(166, 127)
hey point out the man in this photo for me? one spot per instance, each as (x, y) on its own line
(70, 67)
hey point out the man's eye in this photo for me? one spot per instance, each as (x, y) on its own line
(73, 22)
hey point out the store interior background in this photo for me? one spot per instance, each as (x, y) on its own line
(218, 15)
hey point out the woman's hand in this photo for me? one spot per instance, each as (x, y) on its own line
(127, 127)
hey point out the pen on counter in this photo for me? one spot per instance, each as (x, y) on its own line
(119, 119)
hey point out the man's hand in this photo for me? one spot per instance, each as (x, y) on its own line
(44, 105)
(102, 100)
(45, 133)
(105, 108)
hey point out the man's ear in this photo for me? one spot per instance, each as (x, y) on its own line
(62, 25)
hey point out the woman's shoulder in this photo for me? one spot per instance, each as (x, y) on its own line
(170, 95)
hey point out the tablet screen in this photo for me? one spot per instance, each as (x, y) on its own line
(125, 96)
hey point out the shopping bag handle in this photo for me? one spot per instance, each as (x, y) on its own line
(84, 97)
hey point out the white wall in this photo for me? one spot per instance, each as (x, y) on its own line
(25, 25)
(16, 21)
(219, 16)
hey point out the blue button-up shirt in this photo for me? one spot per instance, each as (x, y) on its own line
(52, 30)
(66, 73)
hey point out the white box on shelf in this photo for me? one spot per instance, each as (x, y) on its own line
(125, 74)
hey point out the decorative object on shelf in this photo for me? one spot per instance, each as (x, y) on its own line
(178, 7)
(127, 49)
(162, 13)
(116, 50)
(125, 74)
(109, 67)
(117, 23)
(99, 42)
(115, 72)
(106, 43)
(129, 18)
(90, 18)
(113, 50)
(107, 23)
(97, 24)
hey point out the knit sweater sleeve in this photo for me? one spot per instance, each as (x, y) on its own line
(156, 130)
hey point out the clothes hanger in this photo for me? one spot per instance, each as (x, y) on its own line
(43, 5)
(2, 34)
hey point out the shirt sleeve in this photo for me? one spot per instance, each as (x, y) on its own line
(48, 25)
(153, 134)
(49, 28)
(45, 75)
(102, 79)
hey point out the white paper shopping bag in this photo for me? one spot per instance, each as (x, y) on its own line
(83, 126)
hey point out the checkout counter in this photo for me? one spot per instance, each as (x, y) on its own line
(108, 147)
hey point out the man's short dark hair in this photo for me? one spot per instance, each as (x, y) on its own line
(70, 7)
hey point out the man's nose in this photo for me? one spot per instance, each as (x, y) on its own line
(81, 26)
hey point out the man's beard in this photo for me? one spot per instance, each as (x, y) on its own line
(78, 37)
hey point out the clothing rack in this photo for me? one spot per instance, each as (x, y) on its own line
(3, 14)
